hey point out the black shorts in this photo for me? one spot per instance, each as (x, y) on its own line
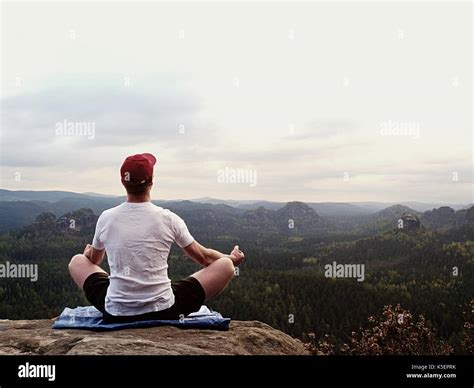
(188, 293)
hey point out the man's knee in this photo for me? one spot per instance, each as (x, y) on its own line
(227, 266)
(77, 261)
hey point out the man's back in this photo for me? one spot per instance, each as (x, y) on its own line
(137, 238)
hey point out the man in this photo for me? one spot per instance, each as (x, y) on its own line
(137, 237)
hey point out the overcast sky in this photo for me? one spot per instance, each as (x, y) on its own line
(312, 102)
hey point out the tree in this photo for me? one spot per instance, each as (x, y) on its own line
(396, 333)
(467, 343)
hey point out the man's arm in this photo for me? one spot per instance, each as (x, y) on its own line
(95, 256)
(206, 256)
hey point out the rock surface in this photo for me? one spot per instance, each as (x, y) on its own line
(244, 338)
(410, 221)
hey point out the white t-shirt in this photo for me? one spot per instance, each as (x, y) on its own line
(137, 238)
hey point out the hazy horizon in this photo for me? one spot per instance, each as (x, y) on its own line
(158, 198)
(312, 102)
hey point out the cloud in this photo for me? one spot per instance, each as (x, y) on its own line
(182, 101)
(79, 115)
(322, 128)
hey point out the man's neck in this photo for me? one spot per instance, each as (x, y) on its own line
(138, 198)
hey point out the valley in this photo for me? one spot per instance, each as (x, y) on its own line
(427, 267)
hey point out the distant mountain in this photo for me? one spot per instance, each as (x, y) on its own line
(446, 217)
(297, 209)
(392, 213)
(259, 218)
(422, 207)
(330, 209)
(16, 214)
(299, 217)
(323, 208)
(266, 204)
(295, 218)
(215, 201)
(387, 218)
(338, 209)
(443, 217)
(241, 204)
(190, 206)
(371, 206)
(49, 196)
(90, 194)
(80, 221)
(206, 220)
(469, 215)
(28, 195)
(98, 205)
(239, 218)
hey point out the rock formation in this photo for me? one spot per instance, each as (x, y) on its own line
(244, 338)
(410, 221)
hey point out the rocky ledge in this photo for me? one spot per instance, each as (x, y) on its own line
(28, 337)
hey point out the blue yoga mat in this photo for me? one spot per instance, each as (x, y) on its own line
(89, 318)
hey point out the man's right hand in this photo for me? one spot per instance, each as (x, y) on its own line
(88, 251)
(237, 256)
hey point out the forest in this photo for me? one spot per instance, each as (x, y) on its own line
(423, 271)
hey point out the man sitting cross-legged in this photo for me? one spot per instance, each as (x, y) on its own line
(137, 236)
